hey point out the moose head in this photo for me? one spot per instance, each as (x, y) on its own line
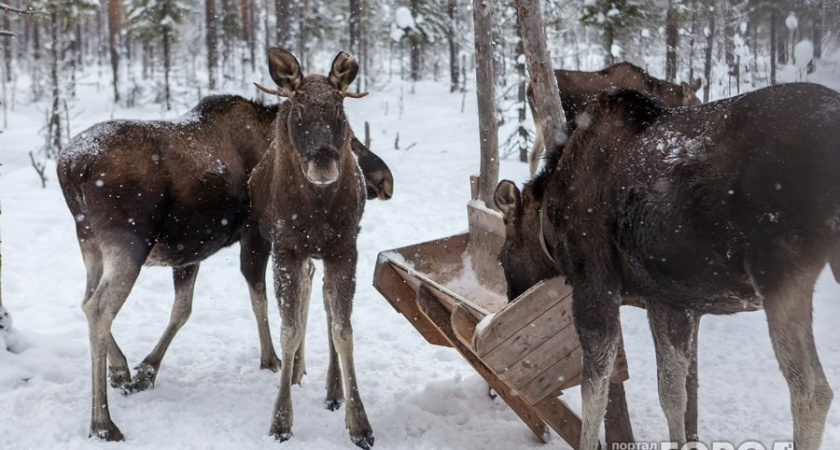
(317, 127)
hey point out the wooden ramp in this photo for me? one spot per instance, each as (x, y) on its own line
(452, 291)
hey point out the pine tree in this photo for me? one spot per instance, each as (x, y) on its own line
(613, 17)
(158, 19)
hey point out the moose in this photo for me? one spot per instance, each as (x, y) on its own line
(308, 196)
(715, 209)
(578, 89)
(171, 193)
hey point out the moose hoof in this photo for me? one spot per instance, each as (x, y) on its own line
(282, 437)
(143, 379)
(333, 405)
(108, 433)
(365, 442)
(120, 379)
(273, 364)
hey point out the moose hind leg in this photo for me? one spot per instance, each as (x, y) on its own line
(121, 268)
(184, 280)
(789, 316)
(672, 331)
(92, 256)
(339, 288)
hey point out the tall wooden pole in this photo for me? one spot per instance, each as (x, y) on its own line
(547, 107)
(486, 90)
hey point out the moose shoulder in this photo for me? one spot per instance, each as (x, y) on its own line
(577, 89)
(706, 210)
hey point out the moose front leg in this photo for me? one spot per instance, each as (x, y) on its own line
(596, 318)
(290, 274)
(339, 288)
(253, 260)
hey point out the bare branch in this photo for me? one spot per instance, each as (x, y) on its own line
(6, 33)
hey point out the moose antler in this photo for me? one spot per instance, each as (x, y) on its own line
(277, 92)
(347, 94)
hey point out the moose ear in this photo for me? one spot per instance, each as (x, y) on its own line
(508, 199)
(696, 84)
(284, 69)
(344, 70)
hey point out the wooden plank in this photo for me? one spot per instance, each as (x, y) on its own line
(404, 299)
(520, 345)
(563, 371)
(562, 419)
(487, 241)
(487, 220)
(463, 324)
(489, 273)
(520, 313)
(555, 350)
(617, 420)
(552, 377)
(439, 316)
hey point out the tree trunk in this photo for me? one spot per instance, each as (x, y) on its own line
(691, 46)
(7, 48)
(212, 46)
(283, 13)
(609, 40)
(452, 37)
(672, 36)
(167, 66)
(548, 110)
(486, 91)
(227, 36)
(54, 126)
(773, 37)
(818, 28)
(521, 99)
(415, 42)
(710, 42)
(355, 27)
(114, 15)
(252, 34)
(265, 24)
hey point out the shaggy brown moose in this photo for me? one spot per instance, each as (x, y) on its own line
(708, 210)
(308, 195)
(578, 88)
(170, 193)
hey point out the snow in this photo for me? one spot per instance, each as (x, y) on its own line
(403, 18)
(791, 22)
(210, 393)
(803, 53)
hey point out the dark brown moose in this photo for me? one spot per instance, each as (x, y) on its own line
(170, 193)
(578, 88)
(308, 195)
(716, 209)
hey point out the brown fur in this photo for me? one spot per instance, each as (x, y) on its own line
(708, 210)
(169, 193)
(578, 89)
(308, 195)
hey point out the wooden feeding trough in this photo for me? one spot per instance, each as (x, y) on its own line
(453, 291)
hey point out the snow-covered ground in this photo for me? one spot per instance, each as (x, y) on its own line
(210, 393)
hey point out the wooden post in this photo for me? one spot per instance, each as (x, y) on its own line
(548, 111)
(486, 90)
